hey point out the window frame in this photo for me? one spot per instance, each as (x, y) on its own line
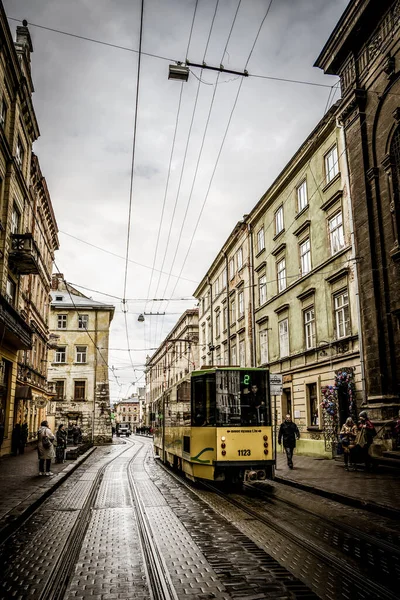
(333, 171)
(279, 220)
(77, 398)
(305, 257)
(260, 240)
(302, 198)
(59, 351)
(231, 268)
(81, 354)
(343, 309)
(233, 310)
(281, 281)
(262, 289)
(62, 318)
(19, 153)
(333, 233)
(241, 304)
(264, 351)
(242, 353)
(83, 319)
(239, 259)
(60, 383)
(310, 338)
(284, 335)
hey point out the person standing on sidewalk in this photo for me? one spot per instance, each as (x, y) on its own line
(347, 436)
(370, 432)
(45, 448)
(288, 434)
(61, 444)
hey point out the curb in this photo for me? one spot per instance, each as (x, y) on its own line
(25, 509)
(380, 509)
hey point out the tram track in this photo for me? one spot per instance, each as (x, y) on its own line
(347, 570)
(367, 587)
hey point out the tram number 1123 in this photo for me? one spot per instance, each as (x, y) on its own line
(244, 452)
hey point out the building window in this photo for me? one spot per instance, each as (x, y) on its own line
(309, 328)
(3, 113)
(331, 164)
(302, 199)
(239, 259)
(61, 354)
(279, 220)
(19, 154)
(305, 257)
(79, 390)
(233, 354)
(81, 354)
(218, 324)
(312, 404)
(264, 346)
(242, 353)
(336, 233)
(225, 317)
(10, 291)
(15, 220)
(59, 298)
(260, 240)
(281, 274)
(231, 269)
(60, 385)
(83, 321)
(284, 338)
(226, 360)
(223, 279)
(61, 321)
(241, 304)
(216, 288)
(342, 315)
(233, 312)
(262, 289)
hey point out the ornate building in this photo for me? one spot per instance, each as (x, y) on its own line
(78, 365)
(28, 239)
(364, 50)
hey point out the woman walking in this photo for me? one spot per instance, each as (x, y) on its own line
(45, 448)
(348, 435)
(61, 444)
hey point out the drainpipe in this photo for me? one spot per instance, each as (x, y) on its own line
(228, 312)
(253, 314)
(353, 258)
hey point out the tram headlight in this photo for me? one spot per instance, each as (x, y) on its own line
(223, 438)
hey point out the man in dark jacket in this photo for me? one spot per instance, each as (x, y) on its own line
(288, 433)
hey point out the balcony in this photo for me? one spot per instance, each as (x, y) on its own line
(13, 329)
(24, 255)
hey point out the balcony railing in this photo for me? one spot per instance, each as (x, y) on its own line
(24, 255)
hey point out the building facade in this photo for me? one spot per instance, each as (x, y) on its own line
(176, 357)
(129, 411)
(78, 365)
(364, 50)
(28, 239)
(282, 293)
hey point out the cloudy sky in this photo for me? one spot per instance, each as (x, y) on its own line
(85, 103)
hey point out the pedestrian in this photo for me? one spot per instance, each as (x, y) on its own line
(76, 432)
(396, 431)
(366, 426)
(45, 448)
(24, 437)
(348, 435)
(16, 439)
(61, 444)
(288, 434)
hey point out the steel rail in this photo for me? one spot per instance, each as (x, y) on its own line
(347, 529)
(57, 583)
(333, 562)
(159, 578)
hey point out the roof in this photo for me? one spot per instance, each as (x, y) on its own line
(70, 300)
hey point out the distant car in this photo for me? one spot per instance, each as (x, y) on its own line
(124, 429)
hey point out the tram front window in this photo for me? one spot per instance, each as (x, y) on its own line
(203, 400)
(242, 398)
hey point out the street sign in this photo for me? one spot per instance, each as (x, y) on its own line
(275, 384)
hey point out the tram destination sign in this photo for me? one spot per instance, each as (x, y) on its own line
(275, 384)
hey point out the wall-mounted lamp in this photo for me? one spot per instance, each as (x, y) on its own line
(179, 72)
(140, 318)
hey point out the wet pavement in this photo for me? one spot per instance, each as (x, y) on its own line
(120, 525)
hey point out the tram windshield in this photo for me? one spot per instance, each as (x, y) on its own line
(230, 398)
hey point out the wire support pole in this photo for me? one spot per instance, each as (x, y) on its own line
(220, 69)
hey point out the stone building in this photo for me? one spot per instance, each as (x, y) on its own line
(282, 292)
(78, 365)
(28, 238)
(225, 304)
(175, 358)
(364, 50)
(129, 411)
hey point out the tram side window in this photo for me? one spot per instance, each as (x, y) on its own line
(203, 400)
(183, 402)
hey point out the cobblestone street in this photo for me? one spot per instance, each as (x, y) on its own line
(121, 526)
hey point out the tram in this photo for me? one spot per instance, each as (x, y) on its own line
(215, 424)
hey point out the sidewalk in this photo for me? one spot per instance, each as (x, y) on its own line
(378, 491)
(22, 490)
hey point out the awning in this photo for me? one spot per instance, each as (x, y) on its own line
(23, 392)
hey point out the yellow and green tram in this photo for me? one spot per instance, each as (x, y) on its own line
(216, 424)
